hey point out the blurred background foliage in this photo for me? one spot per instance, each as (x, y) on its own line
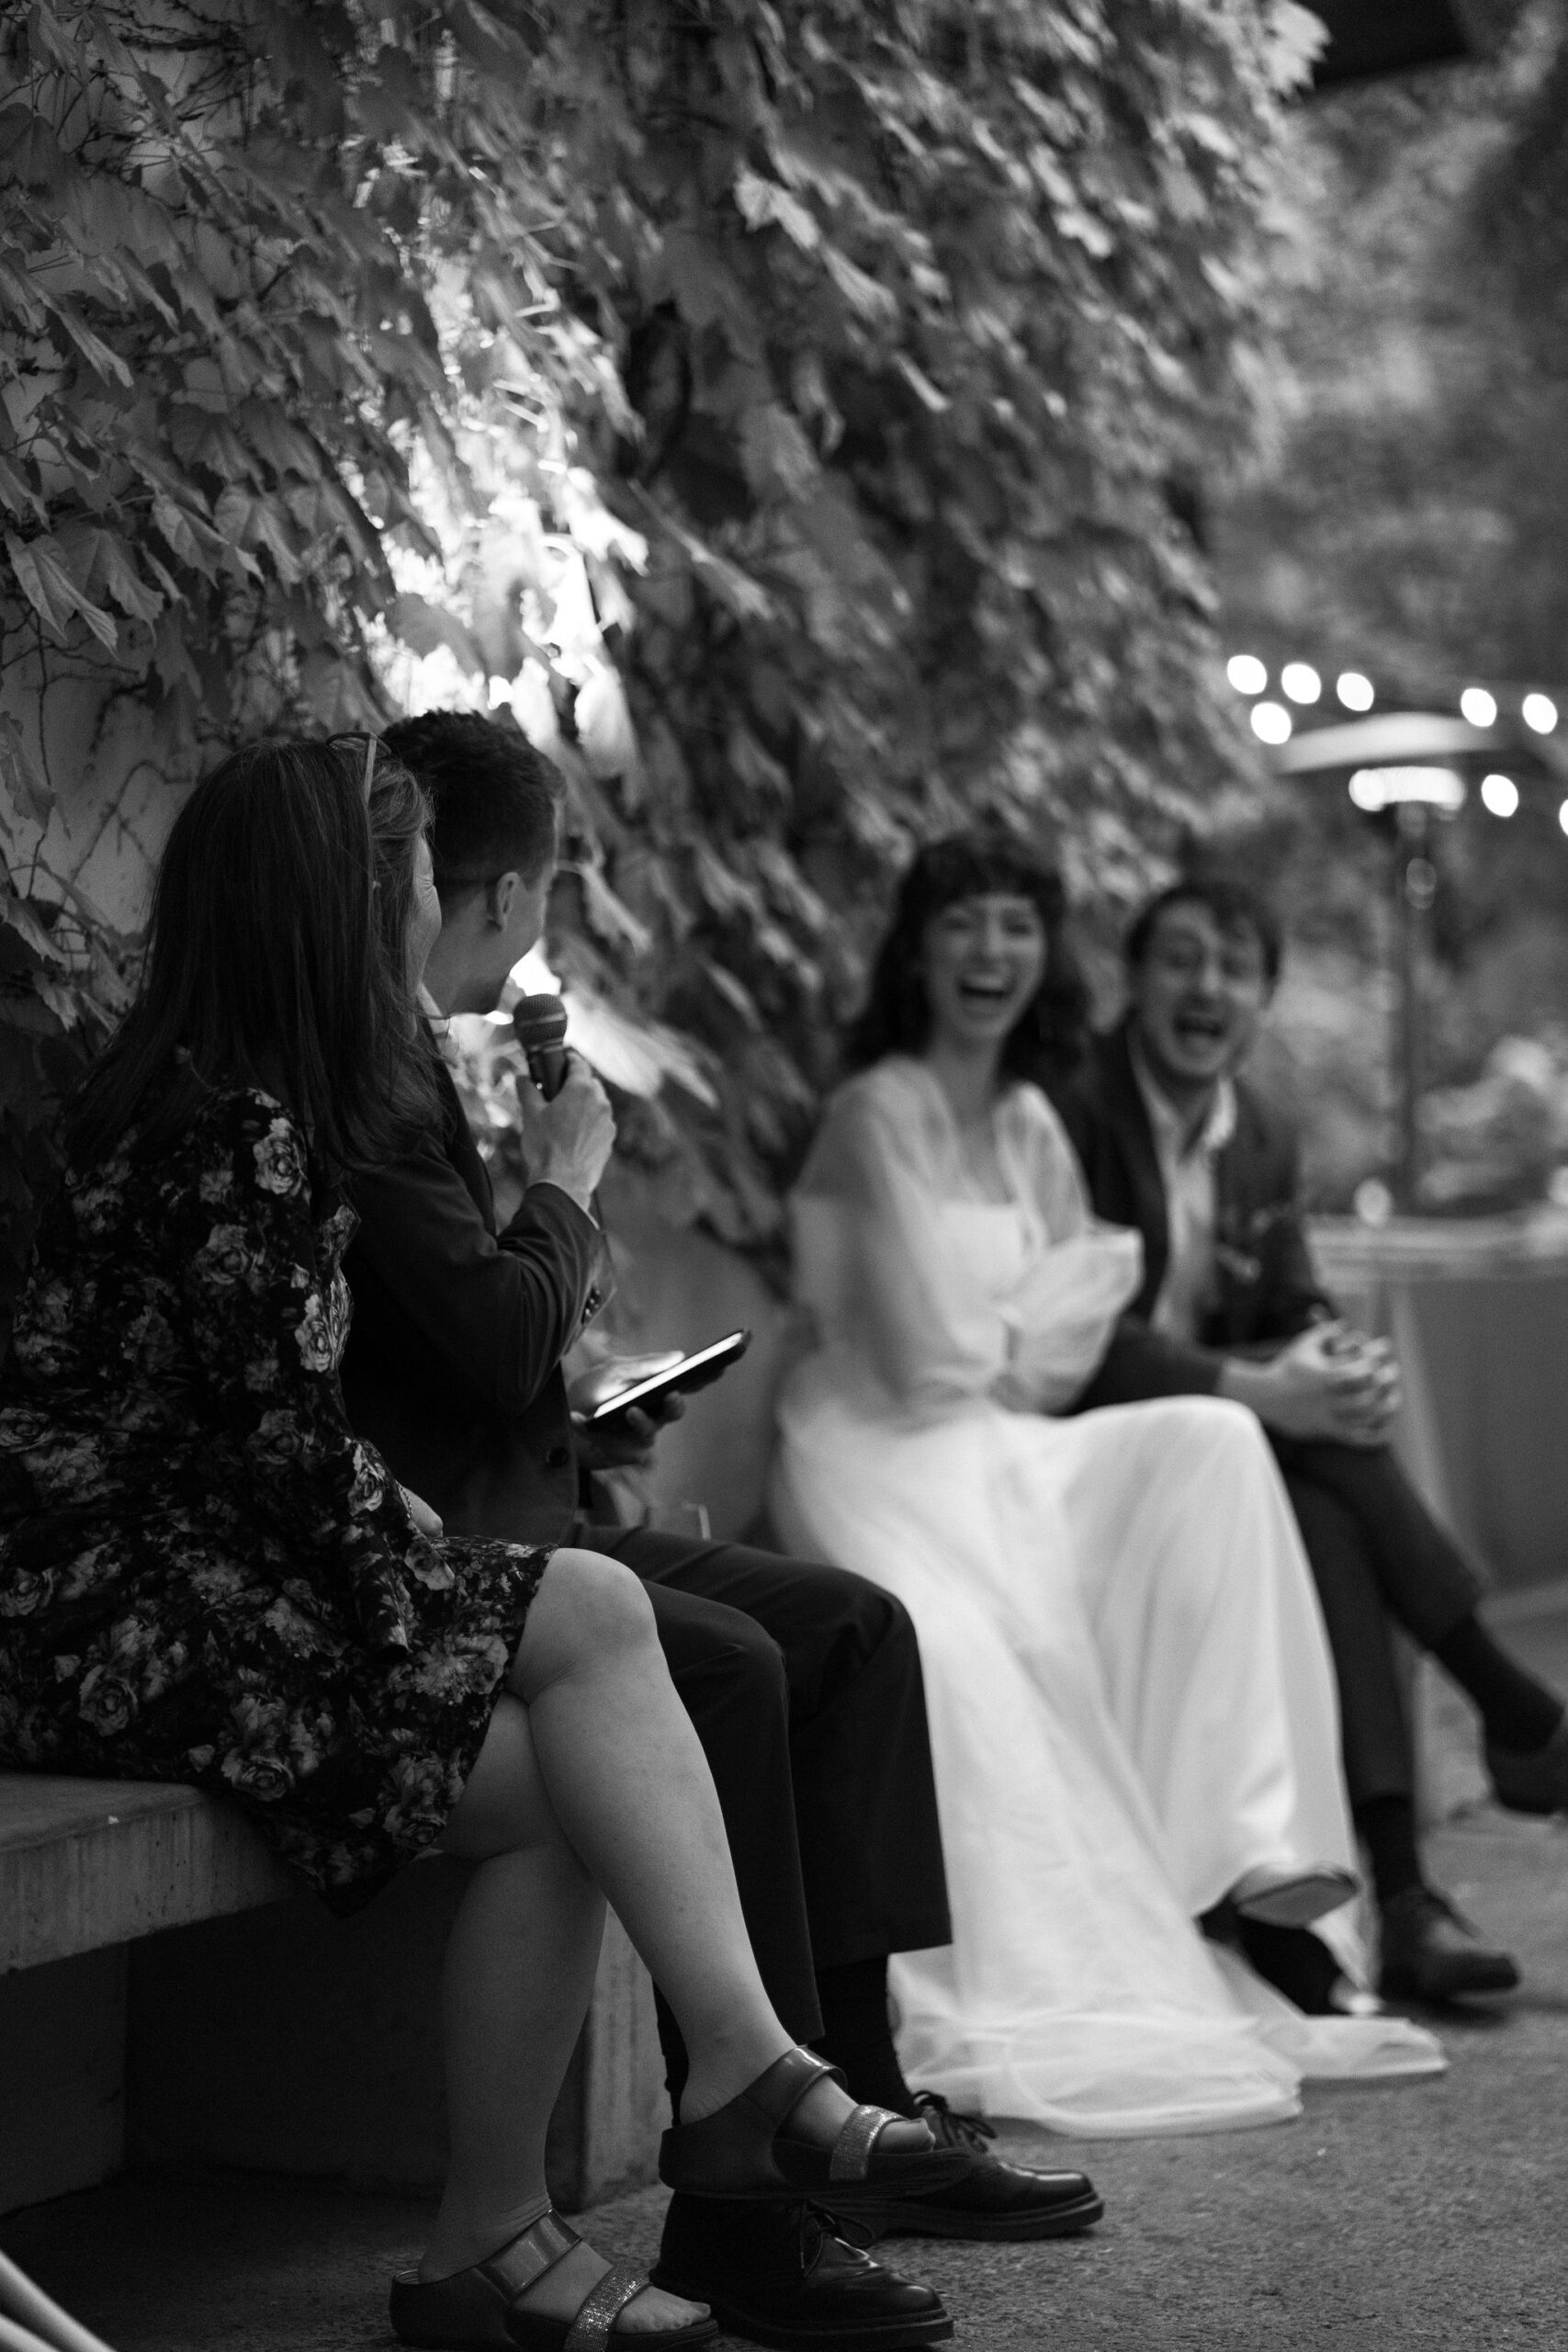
(1406, 513)
(797, 411)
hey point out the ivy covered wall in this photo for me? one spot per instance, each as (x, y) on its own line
(797, 411)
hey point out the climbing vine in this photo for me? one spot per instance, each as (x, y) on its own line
(798, 410)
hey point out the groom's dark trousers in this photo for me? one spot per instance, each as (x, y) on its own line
(1376, 1552)
(803, 1681)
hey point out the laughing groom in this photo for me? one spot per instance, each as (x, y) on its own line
(1176, 1142)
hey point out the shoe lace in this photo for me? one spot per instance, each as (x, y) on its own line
(817, 2223)
(949, 2129)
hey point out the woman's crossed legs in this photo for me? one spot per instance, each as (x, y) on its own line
(590, 1784)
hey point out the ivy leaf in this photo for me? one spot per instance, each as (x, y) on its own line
(23, 781)
(29, 149)
(763, 203)
(92, 348)
(48, 586)
(18, 916)
(113, 563)
(16, 494)
(59, 998)
(608, 916)
(423, 627)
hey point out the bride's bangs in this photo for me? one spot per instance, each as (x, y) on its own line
(980, 866)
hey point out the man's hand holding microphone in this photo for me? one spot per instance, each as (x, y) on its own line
(569, 1131)
(564, 1115)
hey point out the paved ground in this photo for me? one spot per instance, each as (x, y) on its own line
(1387, 2219)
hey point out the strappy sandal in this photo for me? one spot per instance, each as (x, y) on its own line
(482, 2307)
(743, 2150)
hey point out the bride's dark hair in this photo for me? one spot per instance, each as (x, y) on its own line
(1046, 1039)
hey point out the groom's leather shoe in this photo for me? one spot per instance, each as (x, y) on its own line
(993, 2198)
(1430, 1953)
(779, 2274)
(1533, 1780)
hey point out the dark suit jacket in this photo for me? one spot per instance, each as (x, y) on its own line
(1268, 1291)
(453, 1364)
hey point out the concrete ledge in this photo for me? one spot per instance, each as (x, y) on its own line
(61, 2077)
(88, 1864)
(294, 2042)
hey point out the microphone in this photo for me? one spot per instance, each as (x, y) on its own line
(538, 1022)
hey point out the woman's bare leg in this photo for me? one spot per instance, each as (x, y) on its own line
(632, 1789)
(596, 1780)
(519, 1976)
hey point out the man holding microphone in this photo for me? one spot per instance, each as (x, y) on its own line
(803, 1681)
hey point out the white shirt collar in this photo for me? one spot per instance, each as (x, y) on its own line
(1170, 1128)
(441, 1026)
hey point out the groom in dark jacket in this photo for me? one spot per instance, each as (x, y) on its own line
(803, 1681)
(1175, 1143)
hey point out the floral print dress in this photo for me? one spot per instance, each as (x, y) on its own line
(205, 1577)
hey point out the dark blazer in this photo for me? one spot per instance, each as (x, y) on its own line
(1268, 1291)
(453, 1364)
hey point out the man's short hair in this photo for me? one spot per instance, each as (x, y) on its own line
(495, 798)
(1235, 905)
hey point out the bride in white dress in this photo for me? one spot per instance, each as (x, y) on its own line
(1131, 1703)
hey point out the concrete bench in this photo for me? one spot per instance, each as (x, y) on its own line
(153, 2011)
(143, 2020)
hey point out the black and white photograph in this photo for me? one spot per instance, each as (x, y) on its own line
(784, 1175)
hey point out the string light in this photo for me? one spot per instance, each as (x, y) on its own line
(1500, 793)
(1562, 816)
(1354, 691)
(1271, 722)
(1478, 706)
(1246, 674)
(1300, 682)
(1538, 711)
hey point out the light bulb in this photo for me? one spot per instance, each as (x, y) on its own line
(1500, 793)
(1478, 706)
(1246, 674)
(1538, 711)
(1300, 682)
(1354, 691)
(1271, 722)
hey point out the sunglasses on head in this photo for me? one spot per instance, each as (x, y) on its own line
(372, 745)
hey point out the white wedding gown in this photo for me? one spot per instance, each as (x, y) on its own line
(1130, 1693)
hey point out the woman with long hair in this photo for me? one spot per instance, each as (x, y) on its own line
(205, 1577)
(1132, 1706)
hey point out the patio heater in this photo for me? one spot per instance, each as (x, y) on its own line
(1401, 774)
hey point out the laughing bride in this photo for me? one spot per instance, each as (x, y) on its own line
(1131, 1705)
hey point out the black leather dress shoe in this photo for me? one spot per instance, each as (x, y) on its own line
(1430, 1953)
(779, 2274)
(992, 2200)
(1536, 1781)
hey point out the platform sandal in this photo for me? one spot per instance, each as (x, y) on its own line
(483, 2306)
(744, 2150)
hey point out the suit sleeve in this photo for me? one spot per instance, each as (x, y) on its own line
(496, 1313)
(1141, 1363)
(1294, 1299)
